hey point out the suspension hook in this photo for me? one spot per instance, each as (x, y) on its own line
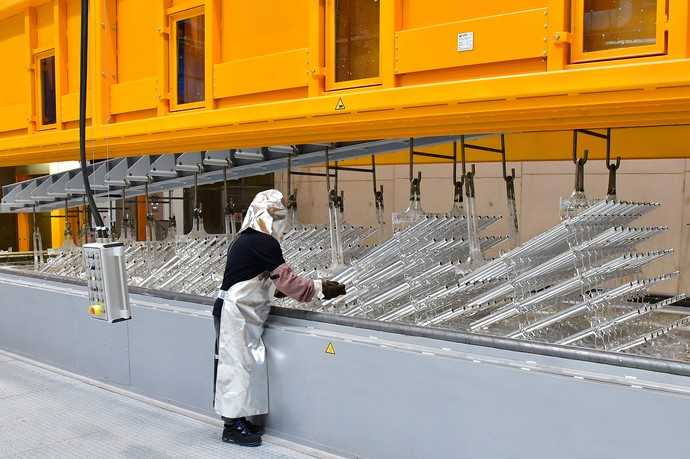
(612, 167)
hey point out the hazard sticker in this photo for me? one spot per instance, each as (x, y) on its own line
(330, 349)
(340, 105)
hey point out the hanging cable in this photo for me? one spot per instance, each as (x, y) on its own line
(83, 70)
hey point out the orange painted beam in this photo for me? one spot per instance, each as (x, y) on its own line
(658, 95)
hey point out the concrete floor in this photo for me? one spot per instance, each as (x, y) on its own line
(47, 415)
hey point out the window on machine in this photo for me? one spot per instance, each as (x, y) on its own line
(612, 24)
(189, 43)
(46, 69)
(356, 39)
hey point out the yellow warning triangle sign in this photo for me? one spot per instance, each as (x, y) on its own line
(340, 105)
(330, 349)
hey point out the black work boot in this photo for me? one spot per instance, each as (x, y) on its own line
(237, 431)
(254, 428)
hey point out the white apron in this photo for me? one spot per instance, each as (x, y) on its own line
(242, 377)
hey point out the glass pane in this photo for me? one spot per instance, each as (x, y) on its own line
(356, 39)
(611, 24)
(190, 60)
(47, 69)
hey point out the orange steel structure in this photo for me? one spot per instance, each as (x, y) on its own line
(272, 71)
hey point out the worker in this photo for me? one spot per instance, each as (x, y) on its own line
(255, 273)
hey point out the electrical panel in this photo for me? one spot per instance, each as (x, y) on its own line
(106, 276)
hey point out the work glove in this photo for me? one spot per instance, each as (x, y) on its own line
(332, 289)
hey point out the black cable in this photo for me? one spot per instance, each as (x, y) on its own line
(83, 70)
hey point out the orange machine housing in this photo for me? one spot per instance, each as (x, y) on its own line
(304, 71)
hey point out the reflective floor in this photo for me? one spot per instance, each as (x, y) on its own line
(46, 415)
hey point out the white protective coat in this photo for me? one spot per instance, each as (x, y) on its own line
(242, 376)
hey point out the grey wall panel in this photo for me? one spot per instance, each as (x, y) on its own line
(54, 328)
(100, 350)
(374, 401)
(172, 357)
(382, 395)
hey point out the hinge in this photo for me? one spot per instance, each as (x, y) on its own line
(562, 37)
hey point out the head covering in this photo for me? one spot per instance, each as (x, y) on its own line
(267, 214)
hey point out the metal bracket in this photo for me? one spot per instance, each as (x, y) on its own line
(97, 177)
(41, 191)
(221, 158)
(76, 184)
(140, 171)
(164, 166)
(117, 175)
(190, 162)
(57, 189)
(24, 196)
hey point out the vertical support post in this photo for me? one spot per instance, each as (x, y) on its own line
(373, 173)
(678, 17)
(22, 223)
(123, 216)
(378, 198)
(60, 37)
(390, 23)
(291, 195)
(34, 244)
(23, 232)
(336, 176)
(458, 209)
(608, 144)
(111, 223)
(149, 215)
(289, 174)
(328, 174)
(557, 22)
(315, 62)
(411, 158)
(455, 162)
(37, 242)
(462, 155)
(163, 53)
(226, 205)
(513, 220)
(58, 219)
(78, 228)
(575, 145)
(30, 43)
(212, 21)
(105, 59)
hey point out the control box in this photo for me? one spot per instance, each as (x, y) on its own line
(106, 277)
